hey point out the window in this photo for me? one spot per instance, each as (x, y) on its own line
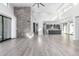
(6, 4)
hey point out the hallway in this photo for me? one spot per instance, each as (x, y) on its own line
(53, 45)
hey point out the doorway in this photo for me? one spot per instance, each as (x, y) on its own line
(65, 28)
(68, 30)
(35, 28)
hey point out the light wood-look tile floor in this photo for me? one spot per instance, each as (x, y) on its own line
(48, 45)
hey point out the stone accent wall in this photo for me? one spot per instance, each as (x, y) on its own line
(23, 15)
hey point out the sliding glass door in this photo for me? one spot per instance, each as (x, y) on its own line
(0, 28)
(7, 28)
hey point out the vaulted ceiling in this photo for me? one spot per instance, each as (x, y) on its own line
(45, 13)
(21, 4)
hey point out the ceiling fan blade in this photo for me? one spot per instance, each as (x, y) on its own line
(42, 4)
(34, 4)
(38, 5)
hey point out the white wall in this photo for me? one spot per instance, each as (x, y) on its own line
(8, 11)
(41, 14)
(70, 16)
(77, 28)
(66, 17)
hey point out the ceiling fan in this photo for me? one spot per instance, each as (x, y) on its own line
(38, 4)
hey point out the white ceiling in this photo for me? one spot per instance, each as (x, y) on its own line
(21, 4)
(48, 12)
(30, 4)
